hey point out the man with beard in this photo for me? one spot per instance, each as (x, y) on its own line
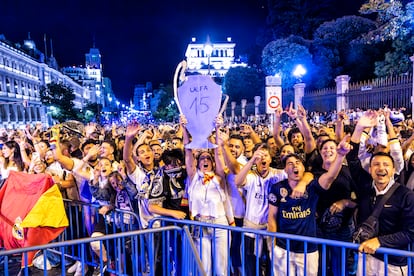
(157, 150)
(82, 171)
(232, 150)
(295, 137)
(273, 150)
(256, 184)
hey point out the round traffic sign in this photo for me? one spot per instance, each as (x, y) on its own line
(273, 102)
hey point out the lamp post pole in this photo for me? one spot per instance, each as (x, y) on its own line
(208, 49)
(209, 65)
(299, 87)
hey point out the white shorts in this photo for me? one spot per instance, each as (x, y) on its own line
(296, 262)
(375, 267)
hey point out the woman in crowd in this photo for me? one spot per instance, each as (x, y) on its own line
(335, 208)
(11, 159)
(208, 203)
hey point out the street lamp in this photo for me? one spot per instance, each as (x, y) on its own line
(299, 72)
(208, 49)
(299, 87)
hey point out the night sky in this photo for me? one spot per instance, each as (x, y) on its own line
(139, 40)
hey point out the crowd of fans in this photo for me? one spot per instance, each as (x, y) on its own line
(296, 176)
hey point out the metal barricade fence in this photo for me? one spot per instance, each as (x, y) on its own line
(172, 250)
(81, 218)
(324, 247)
(190, 262)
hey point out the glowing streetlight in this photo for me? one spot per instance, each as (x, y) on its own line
(299, 72)
(208, 49)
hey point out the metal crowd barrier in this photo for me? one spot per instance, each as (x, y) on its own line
(167, 250)
(322, 243)
(189, 263)
(81, 217)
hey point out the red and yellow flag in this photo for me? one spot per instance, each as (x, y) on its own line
(31, 211)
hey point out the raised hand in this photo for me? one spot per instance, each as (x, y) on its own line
(344, 147)
(219, 121)
(132, 129)
(278, 113)
(301, 112)
(291, 112)
(222, 137)
(369, 119)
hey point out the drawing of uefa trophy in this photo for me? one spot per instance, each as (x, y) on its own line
(198, 99)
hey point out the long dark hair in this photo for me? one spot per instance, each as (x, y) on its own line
(17, 157)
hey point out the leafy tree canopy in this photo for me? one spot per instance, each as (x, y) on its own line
(298, 17)
(282, 57)
(61, 97)
(397, 60)
(166, 109)
(395, 19)
(337, 49)
(91, 111)
(243, 83)
(395, 23)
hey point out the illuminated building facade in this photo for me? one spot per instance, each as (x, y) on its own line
(213, 59)
(23, 71)
(142, 95)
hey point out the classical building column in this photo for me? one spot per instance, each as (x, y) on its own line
(243, 108)
(299, 93)
(256, 105)
(233, 107)
(342, 88)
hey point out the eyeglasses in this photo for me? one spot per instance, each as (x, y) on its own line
(205, 157)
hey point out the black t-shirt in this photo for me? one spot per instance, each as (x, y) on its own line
(342, 188)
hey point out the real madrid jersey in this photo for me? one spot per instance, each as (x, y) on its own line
(295, 216)
(257, 189)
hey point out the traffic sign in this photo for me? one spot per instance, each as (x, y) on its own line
(273, 102)
(273, 98)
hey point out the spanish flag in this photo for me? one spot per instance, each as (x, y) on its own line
(31, 211)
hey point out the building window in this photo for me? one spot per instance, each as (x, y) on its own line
(16, 87)
(23, 88)
(8, 89)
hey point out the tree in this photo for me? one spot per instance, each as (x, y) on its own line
(397, 60)
(337, 49)
(298, 17)
(166, 109)
(281, 57)
(91, 112)
(243, 83)
(60, 97)
(395, 19)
